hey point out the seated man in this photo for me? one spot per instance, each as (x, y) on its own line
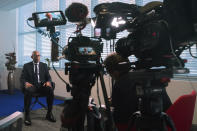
(124, 96)
(35, 77)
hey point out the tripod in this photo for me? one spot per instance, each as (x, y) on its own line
(82, 76)
(151, 123)
(149, 89)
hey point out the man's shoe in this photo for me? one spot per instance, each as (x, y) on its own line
(50, 117)
(27, 120)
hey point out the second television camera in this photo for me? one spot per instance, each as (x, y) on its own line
(159, 31)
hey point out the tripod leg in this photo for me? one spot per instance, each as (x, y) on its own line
(131, 124)
(132, 120)
(169, 122)
(109, 114)
(42, 105)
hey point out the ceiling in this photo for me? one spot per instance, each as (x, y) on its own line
(6, 5)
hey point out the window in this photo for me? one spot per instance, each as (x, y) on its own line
(191, 61)
(30, 39)
(27, 35)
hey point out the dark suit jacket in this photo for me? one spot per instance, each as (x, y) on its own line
(28, 73)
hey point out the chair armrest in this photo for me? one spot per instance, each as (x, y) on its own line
(7, 122)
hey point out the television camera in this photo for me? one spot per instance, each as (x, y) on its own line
(83, 53)
(158, 33)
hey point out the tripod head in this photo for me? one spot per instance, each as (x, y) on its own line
(150, 89)
(150, 85)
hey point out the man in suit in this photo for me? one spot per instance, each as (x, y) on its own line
(35, 77)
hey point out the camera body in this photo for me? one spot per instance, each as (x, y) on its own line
(83, 49)
(112, 18)
(159, 31)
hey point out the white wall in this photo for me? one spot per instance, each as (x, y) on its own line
(178, 88)
(8, 41)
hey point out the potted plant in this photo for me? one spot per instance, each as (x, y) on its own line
(10, 64)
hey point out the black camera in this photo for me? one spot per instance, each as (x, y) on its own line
(83, 49)
(112, 18)
(159, 31)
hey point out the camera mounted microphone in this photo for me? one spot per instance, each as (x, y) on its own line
(76, 12)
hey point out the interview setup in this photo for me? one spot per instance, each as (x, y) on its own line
(133, 88)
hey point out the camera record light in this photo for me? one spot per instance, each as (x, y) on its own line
(117, 21)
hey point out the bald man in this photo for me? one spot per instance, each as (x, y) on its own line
(35, 77)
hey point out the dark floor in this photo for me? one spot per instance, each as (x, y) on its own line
(194, 127)
(40, 124)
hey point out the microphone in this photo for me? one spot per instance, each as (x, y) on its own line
(76, 12)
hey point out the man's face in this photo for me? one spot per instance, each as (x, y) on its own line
(49, 16)
(36, 57)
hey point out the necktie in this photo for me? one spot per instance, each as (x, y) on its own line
(36, 73)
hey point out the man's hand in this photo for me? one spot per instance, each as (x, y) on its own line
(48, 83)
(27, 85)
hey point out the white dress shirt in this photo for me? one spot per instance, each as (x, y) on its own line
(38, 72)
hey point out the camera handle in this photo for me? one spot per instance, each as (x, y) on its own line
(143, 119)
